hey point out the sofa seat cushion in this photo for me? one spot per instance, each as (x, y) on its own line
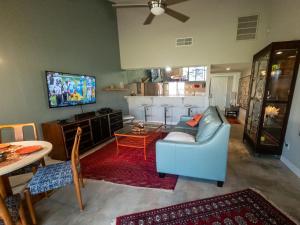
(208, 126)
(179, 136)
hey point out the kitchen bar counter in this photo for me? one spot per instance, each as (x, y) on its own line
(156, 111)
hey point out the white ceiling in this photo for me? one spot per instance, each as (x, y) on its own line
(129, 1)
(128, 22)
(234, 67)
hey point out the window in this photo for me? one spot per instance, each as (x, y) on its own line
(178, 74)
(195, 73)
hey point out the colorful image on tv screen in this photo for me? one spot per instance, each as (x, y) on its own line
(68, 90)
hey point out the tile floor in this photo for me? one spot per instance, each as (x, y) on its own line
(105, 201)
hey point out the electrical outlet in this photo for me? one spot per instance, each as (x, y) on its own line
(286, 145)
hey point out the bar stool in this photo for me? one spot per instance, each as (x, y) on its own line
(146, 109)
(166, 110)
(190, 108)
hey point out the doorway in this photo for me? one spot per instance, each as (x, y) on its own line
(221, 88)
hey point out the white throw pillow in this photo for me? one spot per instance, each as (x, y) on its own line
(179, 136)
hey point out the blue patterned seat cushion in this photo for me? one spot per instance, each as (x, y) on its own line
(12, 203)
(51, 177)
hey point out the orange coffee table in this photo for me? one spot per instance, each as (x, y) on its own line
(125, 137)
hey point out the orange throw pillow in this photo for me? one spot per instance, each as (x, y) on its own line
(197, 117)
(192, 123)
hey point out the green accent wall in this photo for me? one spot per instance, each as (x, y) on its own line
(76, 36)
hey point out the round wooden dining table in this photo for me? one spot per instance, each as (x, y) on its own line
(9, 166)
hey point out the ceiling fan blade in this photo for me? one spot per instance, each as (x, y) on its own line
(177, 15)
(130, 5)
(149, 19)
(173, 2)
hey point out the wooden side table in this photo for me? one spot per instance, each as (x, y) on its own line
(232, 111)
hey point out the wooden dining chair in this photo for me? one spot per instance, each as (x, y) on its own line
(18, 130)
(12, 211)
(56, 176)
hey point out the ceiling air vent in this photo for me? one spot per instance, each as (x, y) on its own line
(181, 42)
(247, 27)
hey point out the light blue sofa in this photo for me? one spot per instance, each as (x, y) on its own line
(205, 158)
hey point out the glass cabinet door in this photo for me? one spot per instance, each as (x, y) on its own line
(257, 95)
(278, 91)
(273, 122)
(283, 65)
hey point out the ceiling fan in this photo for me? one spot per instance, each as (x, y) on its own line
(157, 8)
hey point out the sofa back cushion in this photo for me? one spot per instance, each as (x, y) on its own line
(209, 110)
(208, 125)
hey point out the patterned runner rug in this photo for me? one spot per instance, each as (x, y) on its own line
(128, 167)
(245, 207)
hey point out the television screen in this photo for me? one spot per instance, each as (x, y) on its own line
(66, 89)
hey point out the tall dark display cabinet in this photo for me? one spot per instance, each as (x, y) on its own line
(273, 79)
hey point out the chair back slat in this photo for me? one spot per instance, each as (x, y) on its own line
(19, 135)
(75, 153)
(18, 130)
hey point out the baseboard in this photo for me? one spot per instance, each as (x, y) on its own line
(291, 166)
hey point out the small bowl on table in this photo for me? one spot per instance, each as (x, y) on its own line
(3, 157)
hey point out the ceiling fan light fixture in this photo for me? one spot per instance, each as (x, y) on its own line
(157, 11)
(157, 8)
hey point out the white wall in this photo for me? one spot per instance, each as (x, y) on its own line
(291, 154)
(235, 76)
(61, 35)
(213, 25)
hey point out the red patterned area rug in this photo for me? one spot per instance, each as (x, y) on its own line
(128, 167)
(245, 207)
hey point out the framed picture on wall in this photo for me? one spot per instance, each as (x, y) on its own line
(243, 94)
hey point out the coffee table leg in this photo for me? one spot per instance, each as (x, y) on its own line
(145, 149)
(117, 145)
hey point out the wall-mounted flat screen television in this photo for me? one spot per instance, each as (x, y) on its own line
(65, 89)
